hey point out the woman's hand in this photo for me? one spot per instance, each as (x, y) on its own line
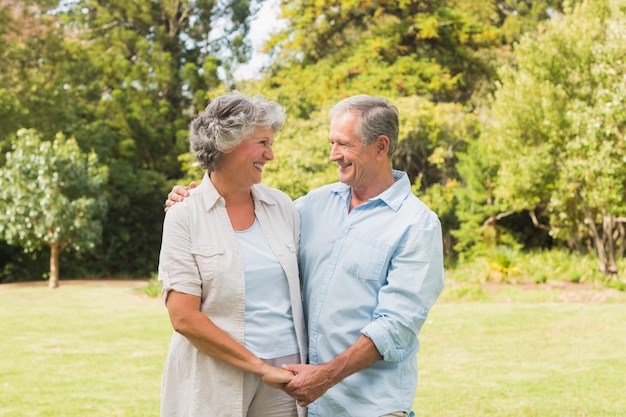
(276, 377)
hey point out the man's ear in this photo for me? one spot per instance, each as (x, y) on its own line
(382, 145)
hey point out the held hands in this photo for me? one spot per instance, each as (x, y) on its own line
(178, 194)
(309, 383)
(276, 377)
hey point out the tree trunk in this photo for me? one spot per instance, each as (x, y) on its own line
(621, 236)
(53, 281)
(609, 225)
(604, 243)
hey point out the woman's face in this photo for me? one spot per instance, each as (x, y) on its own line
(244, 164)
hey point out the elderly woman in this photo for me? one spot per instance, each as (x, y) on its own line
(228, 265)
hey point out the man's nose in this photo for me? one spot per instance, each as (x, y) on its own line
(334, 154)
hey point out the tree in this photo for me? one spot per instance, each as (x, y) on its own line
(559, 122)
(432, 135)
(124, 77)
(479, 211)
(156, 66)
(444, 51)
(44, 80)
(436, 60)
(51, 195)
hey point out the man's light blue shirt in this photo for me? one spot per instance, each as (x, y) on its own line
(376, 271)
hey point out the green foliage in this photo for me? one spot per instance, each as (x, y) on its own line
(51, 194)
(191, 168)
(617, 284)
(440, 50)
(44, 78)
(391, 48)
(132, 237)
(478, 207)
(17, 265)
(558, 125)
(153, 288)
(501, 265)
(301, 156)
(431, 137)
(124, 78)
(514, 266)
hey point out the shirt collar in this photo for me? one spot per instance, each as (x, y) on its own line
(211, 196)
(393, 196)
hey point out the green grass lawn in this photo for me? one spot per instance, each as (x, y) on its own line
(81, 351)
(97, 350)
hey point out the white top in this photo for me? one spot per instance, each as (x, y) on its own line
(269, 324)
(200, 256)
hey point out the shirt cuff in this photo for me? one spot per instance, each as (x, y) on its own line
(383, 342)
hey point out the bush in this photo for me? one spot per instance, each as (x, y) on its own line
(557, 265)
(153, 288)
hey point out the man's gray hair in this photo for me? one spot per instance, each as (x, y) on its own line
(229, 120)
(378, 117)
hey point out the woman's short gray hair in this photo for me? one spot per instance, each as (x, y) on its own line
(378, 117)
(227, 121)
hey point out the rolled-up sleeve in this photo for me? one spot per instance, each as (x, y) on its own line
(177, 267)
(415, 279)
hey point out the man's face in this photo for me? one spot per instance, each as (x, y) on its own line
(355, 160)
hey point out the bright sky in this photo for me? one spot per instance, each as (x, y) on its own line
(260, 28)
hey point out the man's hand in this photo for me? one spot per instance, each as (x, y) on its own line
(178, 194)
(312, 381)
(309, 383)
